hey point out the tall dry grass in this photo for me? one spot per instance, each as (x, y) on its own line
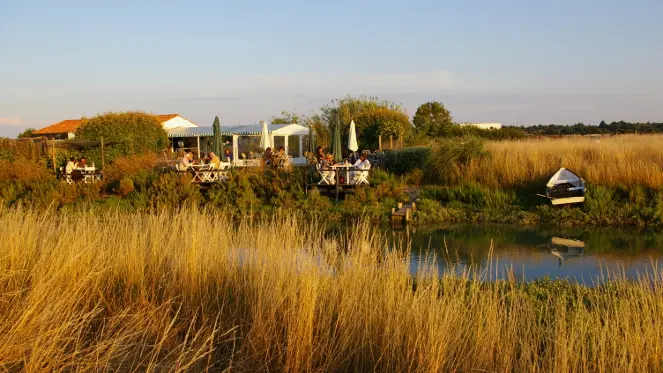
(190, 291)
(610, 161)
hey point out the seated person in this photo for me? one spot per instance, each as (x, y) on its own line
(71, 165)
(361, 164)
(268, 156)
(353, 157)
(82, 163)
(228, 155)
(74, 170)
(214, 161)
(319, 154)
(185, 162)
(326, 167)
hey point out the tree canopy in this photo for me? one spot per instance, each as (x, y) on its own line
(136, 132)
(432, 119)
(372, 118)
(26, 134)
(287, 117)
(603, 128)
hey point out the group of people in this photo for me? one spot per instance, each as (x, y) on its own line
(75, 168)
(273, 158)
(360, 163)
(212, 159)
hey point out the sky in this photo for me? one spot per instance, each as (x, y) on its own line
(516, 62)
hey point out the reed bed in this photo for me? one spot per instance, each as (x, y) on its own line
(191, 291)
(615, 161)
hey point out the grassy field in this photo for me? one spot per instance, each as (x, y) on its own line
(190, 291)
(608, 161)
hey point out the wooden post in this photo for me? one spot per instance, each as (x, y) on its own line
(55, 168)
(338, 181)
(102, 153)
(198, 143)
(391, 142)
(380, 142)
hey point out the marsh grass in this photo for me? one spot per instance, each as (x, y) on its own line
(619, 161)
(191, 291)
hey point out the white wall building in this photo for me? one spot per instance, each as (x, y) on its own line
(483, 126)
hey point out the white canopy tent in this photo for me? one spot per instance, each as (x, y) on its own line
(290, 135)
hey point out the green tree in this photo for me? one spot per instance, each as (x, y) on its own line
(372, 118)
(433, 119)
(135, 132)
(26, 134)
(286, 117)
(320, 128)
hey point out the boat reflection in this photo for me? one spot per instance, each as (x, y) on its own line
(565, 248)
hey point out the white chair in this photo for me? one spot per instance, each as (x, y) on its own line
(360, 177)
(327, 177)
(65, 176)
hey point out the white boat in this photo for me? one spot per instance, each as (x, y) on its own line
(565, 248)
(565, 187)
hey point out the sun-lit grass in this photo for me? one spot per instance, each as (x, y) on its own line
(610, 161)
(191, 291)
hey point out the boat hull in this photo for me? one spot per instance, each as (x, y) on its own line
(567, 200)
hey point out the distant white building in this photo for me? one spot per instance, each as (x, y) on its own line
(483, 126)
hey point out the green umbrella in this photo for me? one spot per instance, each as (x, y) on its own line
(336, 141)
(217, 142)
(311, 141)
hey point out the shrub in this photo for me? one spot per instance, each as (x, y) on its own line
(472, 195)
(448, 157)
(138, 132)
(129, 166)
(405, 160)
(28, 171)
(173, 191)
(416, 177)
(126, 186)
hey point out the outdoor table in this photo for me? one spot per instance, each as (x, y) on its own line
(341, 167)
(89, 174)
(345, 169)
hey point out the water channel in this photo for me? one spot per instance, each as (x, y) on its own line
(583, 255)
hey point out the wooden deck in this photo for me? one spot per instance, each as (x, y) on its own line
(403, 212)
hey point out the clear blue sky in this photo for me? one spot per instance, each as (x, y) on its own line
(516, 62)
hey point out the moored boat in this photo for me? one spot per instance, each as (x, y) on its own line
(565, 187)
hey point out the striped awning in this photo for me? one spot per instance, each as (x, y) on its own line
(243, 130)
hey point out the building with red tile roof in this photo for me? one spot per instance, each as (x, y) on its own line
(66, 129)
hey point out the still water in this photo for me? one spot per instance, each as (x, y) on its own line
(582, 255)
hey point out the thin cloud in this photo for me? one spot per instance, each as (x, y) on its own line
(11, 121)
(333, 84)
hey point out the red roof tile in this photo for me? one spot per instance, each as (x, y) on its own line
(70, 125)
(65, 126)
(166, 117)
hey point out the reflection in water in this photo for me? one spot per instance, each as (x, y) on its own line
(564, 248)
(535, 252)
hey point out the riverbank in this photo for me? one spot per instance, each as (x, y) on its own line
(192, 290)
(465, 180)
